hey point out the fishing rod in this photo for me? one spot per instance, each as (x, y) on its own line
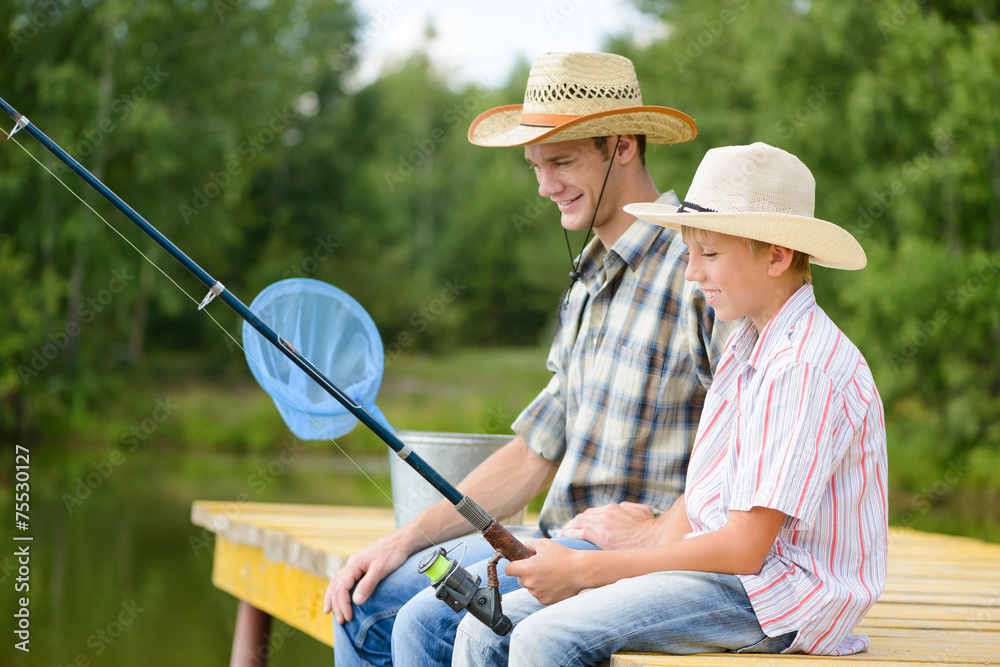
(453, 584)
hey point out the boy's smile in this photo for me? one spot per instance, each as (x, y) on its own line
(734, 281)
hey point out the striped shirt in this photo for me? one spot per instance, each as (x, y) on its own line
(794, 423)
(632, 359)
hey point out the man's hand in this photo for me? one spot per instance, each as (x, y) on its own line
(552, 574)
(503, 483)
(624, 526)
(366, 569)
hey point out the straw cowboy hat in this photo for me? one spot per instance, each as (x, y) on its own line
(759, 192)
(577, 96)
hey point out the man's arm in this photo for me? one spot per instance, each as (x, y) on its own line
(555, 572)
(628, 525)
(502, 484)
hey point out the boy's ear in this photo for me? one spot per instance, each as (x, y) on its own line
(780, 260)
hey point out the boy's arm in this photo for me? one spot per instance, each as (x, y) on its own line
(740, 547)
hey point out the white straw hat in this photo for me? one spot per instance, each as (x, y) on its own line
(577, 96)
(759, 192)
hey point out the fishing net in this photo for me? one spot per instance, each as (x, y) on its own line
(333, 331)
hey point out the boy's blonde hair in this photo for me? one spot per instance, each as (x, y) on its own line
(800, 260)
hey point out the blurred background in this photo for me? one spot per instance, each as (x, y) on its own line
(273, 139)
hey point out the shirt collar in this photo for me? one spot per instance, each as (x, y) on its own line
(629, 249)
(748, 346)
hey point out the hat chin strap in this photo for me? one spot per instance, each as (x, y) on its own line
(575, 274)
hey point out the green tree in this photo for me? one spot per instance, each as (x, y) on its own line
(183, 109)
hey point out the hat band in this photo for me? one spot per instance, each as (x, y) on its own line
(688, 206)
(544, 120)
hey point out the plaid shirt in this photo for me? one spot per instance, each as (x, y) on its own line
(632, 361)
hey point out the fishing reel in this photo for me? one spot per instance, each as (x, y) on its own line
(460, 590)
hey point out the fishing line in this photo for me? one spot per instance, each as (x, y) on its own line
(575, 274)
(506, 545)
(10, 137)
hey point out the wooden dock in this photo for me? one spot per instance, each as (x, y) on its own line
(941, 605)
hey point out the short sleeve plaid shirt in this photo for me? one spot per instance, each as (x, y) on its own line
(632, 361)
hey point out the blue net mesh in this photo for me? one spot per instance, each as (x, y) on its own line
(333, 331)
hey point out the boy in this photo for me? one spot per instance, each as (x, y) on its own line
(779, 541)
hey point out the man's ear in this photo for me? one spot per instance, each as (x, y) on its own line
(780, 260)
(628, 148)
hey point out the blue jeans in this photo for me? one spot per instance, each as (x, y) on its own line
(385, 632)
(425, 628)
(665, 612)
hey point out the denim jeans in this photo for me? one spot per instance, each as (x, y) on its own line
(665, 612)
(425, 628)
(403, 623)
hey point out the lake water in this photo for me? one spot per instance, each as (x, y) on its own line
(120, 576)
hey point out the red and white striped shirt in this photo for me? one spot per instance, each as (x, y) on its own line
(793, 422)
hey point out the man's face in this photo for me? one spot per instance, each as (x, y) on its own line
(571, 173)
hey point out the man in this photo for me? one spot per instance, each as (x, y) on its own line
(631, 361)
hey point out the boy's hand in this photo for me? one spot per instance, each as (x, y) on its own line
(617, 526)
(552, 574)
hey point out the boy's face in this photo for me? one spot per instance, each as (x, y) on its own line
(735, 283)
(571, 173)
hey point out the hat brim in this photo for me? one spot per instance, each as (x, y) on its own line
(826, 244)
(502, 126)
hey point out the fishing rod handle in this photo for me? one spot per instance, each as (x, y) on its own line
(499, 537)
(509, 546)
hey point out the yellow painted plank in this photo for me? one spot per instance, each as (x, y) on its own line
(931, 612)
(937, 624)
(970, 600)
(940, 636)
(884, 651)
(282, 591)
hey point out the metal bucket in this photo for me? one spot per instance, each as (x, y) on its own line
(452, 455)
